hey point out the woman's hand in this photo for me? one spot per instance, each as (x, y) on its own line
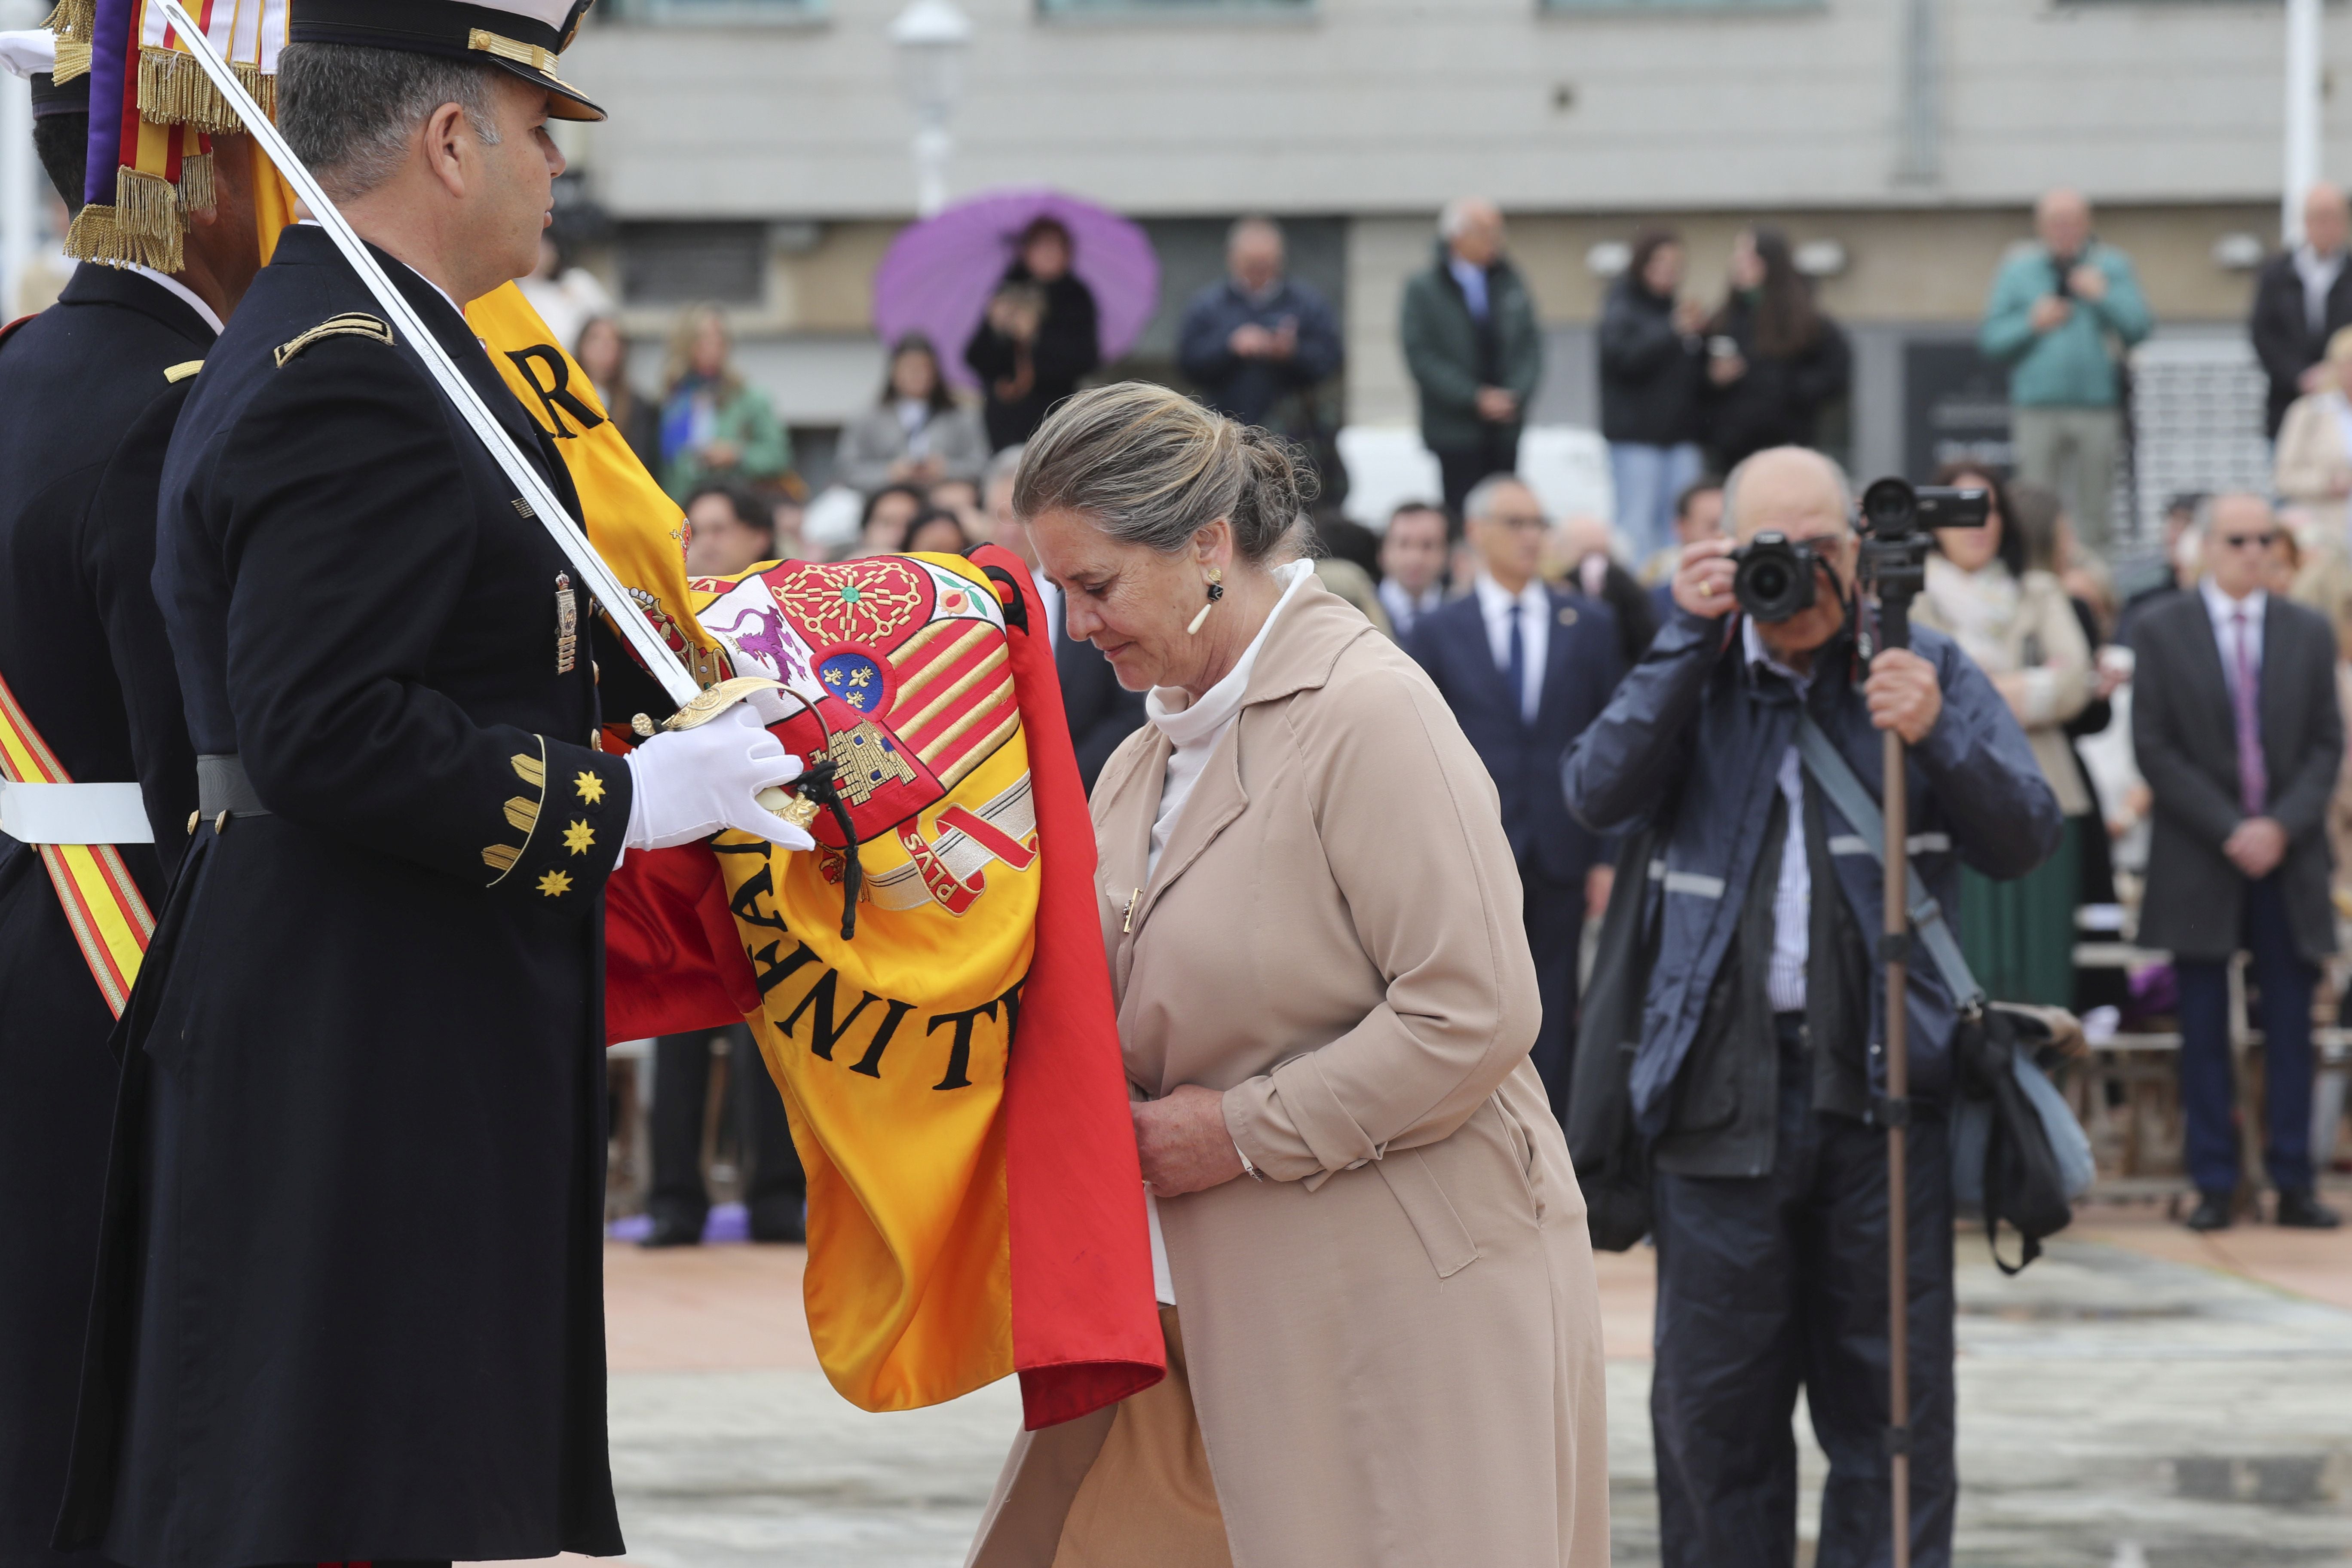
(722, 454)
(1183, 1143)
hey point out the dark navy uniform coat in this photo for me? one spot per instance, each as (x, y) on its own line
(86, 408)
(350, 1303)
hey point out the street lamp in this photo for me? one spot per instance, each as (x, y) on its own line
(932, 37)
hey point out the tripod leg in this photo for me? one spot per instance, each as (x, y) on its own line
(1898, 1198)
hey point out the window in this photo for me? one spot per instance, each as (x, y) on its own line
(681, 263)
(787, 12)
(1668, 5)
(1219, 9)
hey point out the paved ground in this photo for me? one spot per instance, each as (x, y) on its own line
(2140, 1398)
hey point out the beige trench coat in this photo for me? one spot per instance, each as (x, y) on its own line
(1394, 1338)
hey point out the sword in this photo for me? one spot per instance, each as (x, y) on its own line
(570, 537)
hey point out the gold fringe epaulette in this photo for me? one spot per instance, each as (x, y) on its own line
(174, 91)
(351, 324)
(73, 22)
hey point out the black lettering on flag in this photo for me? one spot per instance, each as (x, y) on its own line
(871, 1063)
(823, 1032)
(769, 971)
(960, 1052)
(554, 389)
(745, 904)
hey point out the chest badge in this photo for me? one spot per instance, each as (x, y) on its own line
(567, 625)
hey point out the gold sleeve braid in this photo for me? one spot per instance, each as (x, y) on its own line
(521, 811)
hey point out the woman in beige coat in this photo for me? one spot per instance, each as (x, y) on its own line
(2312, 463)
(1390, 1342)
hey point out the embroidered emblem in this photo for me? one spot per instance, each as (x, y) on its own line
(868, 760)
(578, 837)
(529, 769)
(351, 324)
(175, 374)
(855, 601)
(567, 625)
(522, 815)
(767, 639)
(853, 677)
(555, 883)
(502, 857)
(591, 788)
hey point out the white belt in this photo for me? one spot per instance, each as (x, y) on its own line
(74, 814)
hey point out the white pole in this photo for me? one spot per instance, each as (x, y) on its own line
(933, 143)
(20, 174)
(2302, 170)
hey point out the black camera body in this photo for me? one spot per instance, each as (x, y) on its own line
(1772, 577)
(1897, 518)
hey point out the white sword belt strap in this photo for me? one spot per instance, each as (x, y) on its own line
(74, 814)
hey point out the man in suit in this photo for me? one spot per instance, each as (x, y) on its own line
(1470, 336)
(1412, 565)
(1525, 668)
(2235, 726)
(1101, 711)
(2302, 297)
(88, 392)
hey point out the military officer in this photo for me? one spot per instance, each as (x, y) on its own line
(349, 1305)
(88, 391)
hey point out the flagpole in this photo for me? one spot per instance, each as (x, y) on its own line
(594, 574)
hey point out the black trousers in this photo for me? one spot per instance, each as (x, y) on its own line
(1460, 468)
(2208, 1077)
(1554, 912)
(777, 1186)
(1769, 1284)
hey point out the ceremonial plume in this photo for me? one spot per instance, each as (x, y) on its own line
(607, 588)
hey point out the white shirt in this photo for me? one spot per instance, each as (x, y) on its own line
(2224, 612)
(172, 285)
(1792, 899)
(1405, 608)
(1051, 598)
(1474, 284)
(2318, 274)
(1533, 604)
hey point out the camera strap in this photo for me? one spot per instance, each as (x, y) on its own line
(1830, 770)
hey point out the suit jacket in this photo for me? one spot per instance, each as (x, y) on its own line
(1332, 939)
(2283, 340)
(1582, 665)
(2184, 733)
(1101, 711)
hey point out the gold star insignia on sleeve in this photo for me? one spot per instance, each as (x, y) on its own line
(578, 837)
(555, 882)
(591, 788)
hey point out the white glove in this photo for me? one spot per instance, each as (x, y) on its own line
(691, 784)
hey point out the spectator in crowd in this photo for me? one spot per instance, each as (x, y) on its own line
(2016, 623)
(2243, 769)
(1257, 335)
(727, 530)
(1412, 565)
(566, 297)
(786, 515)
(1698, 514)
(1040, 334)
(1525, 668)
(2303, 299)
(1756, 1074)
(1578, 556)
(917, 433)
(890, 512)
(1474, 350)
(775, 1188)
(1653, 346)
(2178, 565)
(2063, 308)
(2312, 463)
(1774, 359)
(961, 496)
(1101, 712)
(715, 425)
(938, 532)
(604, 356)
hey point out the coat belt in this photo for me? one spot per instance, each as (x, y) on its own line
(74, 814)
(222, 786)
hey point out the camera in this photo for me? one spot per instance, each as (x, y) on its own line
(1896, 519)
(1773, 576)
(1896, 508)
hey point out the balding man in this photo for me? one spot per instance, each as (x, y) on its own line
(1258, 335)
(2235, 727)
(1475, 353)
(2064, 308)
(1757, 1079)
(2302, 297)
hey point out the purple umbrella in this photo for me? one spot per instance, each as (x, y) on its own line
(939, 273)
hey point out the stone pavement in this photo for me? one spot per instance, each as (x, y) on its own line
(2139, 1398)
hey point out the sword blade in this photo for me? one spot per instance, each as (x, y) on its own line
(569, 537)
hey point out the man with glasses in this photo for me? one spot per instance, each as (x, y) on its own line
(2235, 726)
(1525, 668)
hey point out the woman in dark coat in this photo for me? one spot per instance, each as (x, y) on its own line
(1774, 360)
(1039, 336)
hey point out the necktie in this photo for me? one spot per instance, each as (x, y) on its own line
(1518, 671)
(2253, 775)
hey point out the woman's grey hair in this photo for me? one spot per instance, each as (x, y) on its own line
(349, 110)
(1152, 468)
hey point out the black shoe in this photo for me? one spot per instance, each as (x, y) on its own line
(779, 1220)
(2212, 1212)
(674, 1231)
(2301, 1211)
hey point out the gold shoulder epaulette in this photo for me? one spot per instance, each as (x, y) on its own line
(351, 324)
(182, 370)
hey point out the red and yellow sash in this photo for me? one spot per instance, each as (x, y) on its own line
(109, 918)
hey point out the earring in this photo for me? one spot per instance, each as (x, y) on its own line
(1216, 592)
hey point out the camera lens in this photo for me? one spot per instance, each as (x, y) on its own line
(1769, 581)
(1774, 578)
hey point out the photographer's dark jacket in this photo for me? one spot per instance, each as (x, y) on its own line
(1692, 743)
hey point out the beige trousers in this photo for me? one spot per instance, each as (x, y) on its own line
(2072, 451)
(1148, 1499)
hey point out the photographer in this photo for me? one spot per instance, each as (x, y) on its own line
(1757, 1077)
